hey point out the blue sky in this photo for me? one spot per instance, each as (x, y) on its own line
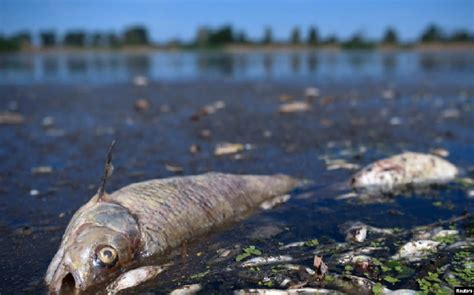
(180, 19)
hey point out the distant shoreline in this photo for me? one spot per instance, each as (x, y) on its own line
(256, 48)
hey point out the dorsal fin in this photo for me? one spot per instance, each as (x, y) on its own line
(108, 169)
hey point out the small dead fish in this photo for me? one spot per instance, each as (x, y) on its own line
(228, 148)
(256, 261)
(114, 232)
(416, 250)
(306, 291)
(134, 277)
(294, 107)
(403, 169)
(187, 290)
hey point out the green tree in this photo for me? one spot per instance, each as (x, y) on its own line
(460, 36)
(295, 36)
(221, 36)
(8, 44)
(267, 36)
(75, 39)
(136, 36)
(202, 37)
(313, 38)
(23, 38)
(242, 38)
(390, 36)
(432, 34)
(48, 39)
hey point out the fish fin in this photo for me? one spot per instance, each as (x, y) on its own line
(108, 170)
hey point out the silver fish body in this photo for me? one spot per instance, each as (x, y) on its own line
(111, 234)
(404, 169)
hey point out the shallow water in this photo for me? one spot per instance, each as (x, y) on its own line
(351, 120)
(96, 67)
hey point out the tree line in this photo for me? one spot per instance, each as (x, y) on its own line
(207, 37)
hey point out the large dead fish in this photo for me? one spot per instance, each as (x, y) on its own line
(404, 169)
(112, 233)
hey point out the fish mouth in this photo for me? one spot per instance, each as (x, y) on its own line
(70, 283)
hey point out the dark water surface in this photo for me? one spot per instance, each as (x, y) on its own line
(90, 98)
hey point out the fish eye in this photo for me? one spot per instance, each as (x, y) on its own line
(107, 256)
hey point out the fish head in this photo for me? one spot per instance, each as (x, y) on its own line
(379, 175)
(101, 241)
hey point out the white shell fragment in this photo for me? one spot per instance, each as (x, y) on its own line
(266, 260)
(407, 168)
(187, 290)
(416, 250)
(134, 277)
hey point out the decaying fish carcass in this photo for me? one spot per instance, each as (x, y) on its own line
(404, 169)
(113, 232)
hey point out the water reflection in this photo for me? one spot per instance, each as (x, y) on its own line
(111, 67)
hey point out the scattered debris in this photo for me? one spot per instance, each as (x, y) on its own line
(194, 149)
(174, 168)
(208, 110)
(388, 94)
(266, 260)
(334, 164)
(140, 81)
(305, 291)
(357, 232)
(228, 148)
(451, 113)
(404, 169)
(295, 107)
(440, 152)
(205, 133)
(10, 118)
(311, 92)
(47, 122)
(416, 250)
(42, 170)
(187, 290)
(320, 266)
(142, 105)
(285, 97)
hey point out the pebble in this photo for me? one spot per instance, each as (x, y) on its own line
(311, 92)
(9, 118)
(142, 105)
(47, 121)
(34, 192)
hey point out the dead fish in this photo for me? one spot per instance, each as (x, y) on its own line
(403, 169)
(114, 232)
(257, 261)
(187, 290)
(306, 291)
(134, 277)
(416, 250)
